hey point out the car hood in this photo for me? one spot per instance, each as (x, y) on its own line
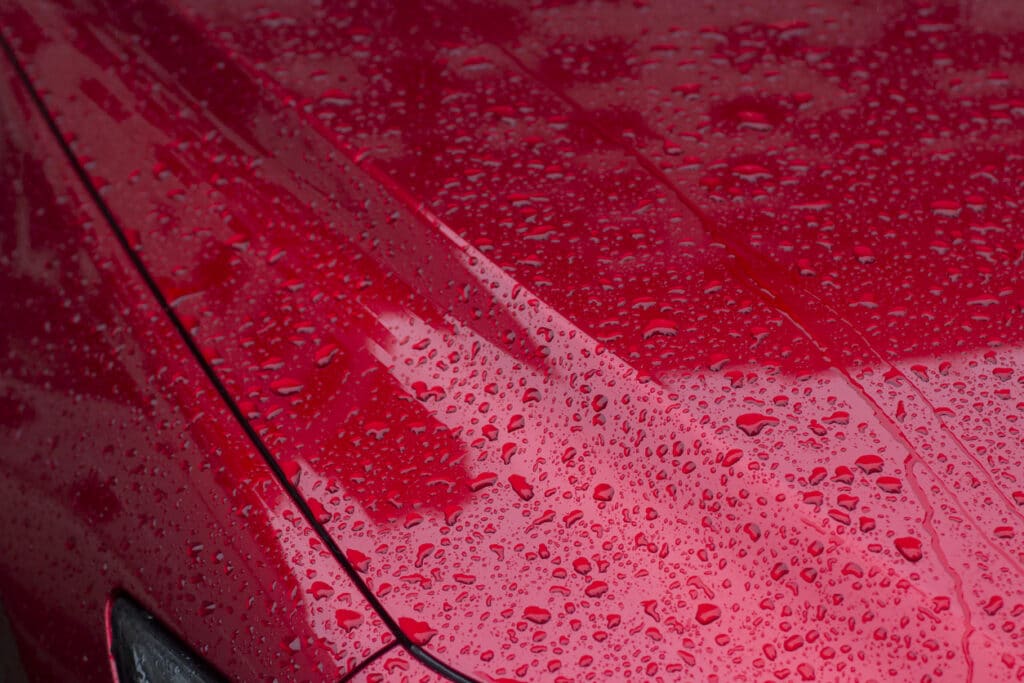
(644, 341)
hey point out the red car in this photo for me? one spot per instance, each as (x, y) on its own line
(494, 341)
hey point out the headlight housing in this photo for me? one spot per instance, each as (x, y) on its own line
(146, 652)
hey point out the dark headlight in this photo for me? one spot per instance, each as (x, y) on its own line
(146, 652)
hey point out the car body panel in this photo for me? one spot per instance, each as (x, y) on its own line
(653, 341)
(123, 470)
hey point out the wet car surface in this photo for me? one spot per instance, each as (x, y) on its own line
(578, 340)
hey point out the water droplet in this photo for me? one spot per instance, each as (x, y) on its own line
(909, 547)
(419, 632)
(537, 615)
(707, 613)
(348, 619)
(753, 424)
(520, 486)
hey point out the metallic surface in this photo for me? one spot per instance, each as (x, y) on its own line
(650, 340)
(122, 468)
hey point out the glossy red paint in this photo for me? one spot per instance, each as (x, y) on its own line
(647, 341)
(122, 469)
